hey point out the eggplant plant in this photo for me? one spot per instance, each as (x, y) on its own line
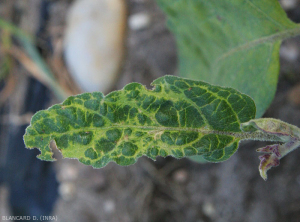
(231, 43)
(178, 117)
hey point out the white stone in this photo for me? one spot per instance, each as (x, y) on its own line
(289, 52)
(67, 191)
(139, 21)
(181, 176)
(288, 4)
(94, 42)
(67, 173)
(109, 206)
(209, 209)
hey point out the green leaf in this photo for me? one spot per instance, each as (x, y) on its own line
(178, 117)
(233, 43)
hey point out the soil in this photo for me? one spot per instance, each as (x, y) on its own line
(182, 190)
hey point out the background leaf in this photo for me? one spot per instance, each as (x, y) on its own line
(179, 117)
(232, 43)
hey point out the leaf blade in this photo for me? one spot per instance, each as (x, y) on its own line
(179, 117)
(233, 43)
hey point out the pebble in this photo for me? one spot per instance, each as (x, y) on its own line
(67, 191)
(209, 209)
(109, 206)
(288, 4)
(139, 21)
(289, 51)
(67, 173)
(180, 176)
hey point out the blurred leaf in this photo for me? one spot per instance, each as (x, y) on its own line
(232, 43)
(7, 26)
(179, 117)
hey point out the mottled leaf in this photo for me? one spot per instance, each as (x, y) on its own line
(233, 43)
(178, 117)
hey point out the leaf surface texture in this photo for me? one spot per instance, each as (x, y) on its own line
(178, 117)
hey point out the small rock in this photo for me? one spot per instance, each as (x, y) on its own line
(289, 52)
(180, 176)
(139, 21)
(67, 173)
(288, 4)
(109, 206)
(209, 209)
(67, 191)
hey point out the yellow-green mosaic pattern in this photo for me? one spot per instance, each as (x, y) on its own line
(179, 117)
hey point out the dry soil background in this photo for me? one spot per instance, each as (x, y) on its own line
(181, 190)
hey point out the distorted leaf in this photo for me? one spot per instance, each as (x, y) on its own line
(178, 117)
